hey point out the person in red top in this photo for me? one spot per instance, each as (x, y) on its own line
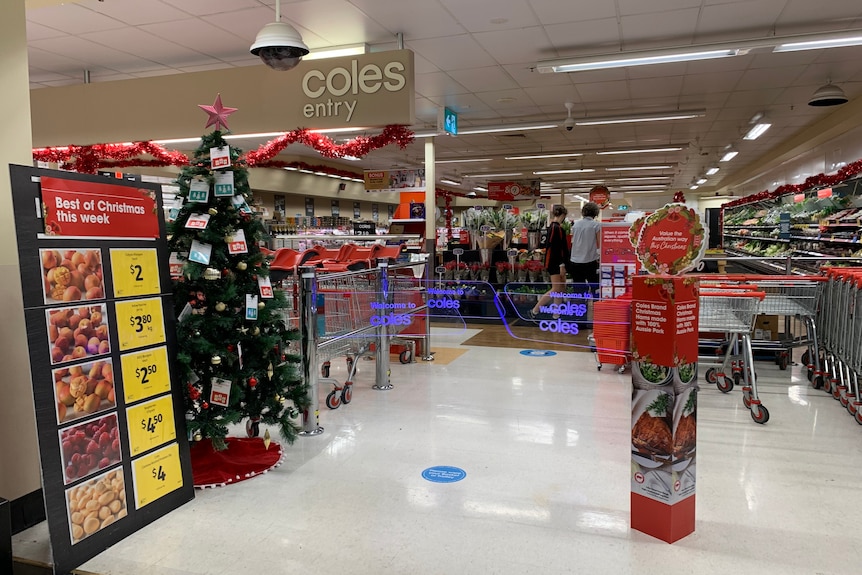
(556, 256)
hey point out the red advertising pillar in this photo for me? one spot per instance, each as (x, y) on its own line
(664, 375)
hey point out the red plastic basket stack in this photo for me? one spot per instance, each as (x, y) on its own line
(612, 319)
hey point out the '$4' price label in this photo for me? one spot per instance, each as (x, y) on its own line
(159, 474)
(156, 474)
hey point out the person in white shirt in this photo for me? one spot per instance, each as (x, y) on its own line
(584, 265)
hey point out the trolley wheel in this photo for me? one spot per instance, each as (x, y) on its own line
(405, 356)
(806, 357)
(817, 382)
(759, 414)
(836, 393)
(710, 375)
(333, 400)
(851, 408)
(599, 367)
(827, 384)
(252, 428)
(845, 400)
(746, 400)
(324, 369)
(858, 416)
(347, 392)
(724, 385)
(737, 378)
(622, 368)
(783, 361)
(810, 374)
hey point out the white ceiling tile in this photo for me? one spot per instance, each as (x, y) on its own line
(711, 83)
(246, 23)
(525, 45)
(505, 99)
(782, 59)
(600, 91)
(338, 22)
(90, 53)
(659, 26)
(51, 61)
(414, 18)
(659, 70)
(591, 37)
(39, 32)
(765, 78)
(145, 45)
(528, 77)
(422, 65)
(556, 12)
(656, 87)
(438, 84)
(136, 12)
(484, 79)
(452, 52)
(759, 17)
(58, 83)
(72, 19)
(40, 76)
(199, 36)
(153, 73)
(806, 12)
(482, 15)
(206, 7)
(628, 7)
(552, 100)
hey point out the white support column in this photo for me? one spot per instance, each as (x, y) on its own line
(19, 463)
(430, 196)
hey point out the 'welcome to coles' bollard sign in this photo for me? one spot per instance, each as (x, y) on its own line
(664, 373)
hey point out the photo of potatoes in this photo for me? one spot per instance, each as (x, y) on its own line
(84, 389)
(95, 504)
(89, 447)
(77, 332)
(72, 275)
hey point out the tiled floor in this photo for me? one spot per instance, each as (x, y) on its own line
(545, 444)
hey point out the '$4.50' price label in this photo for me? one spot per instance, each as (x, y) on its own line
(140, 323)
(157, 474)
(151, 424)
(135, 272)
(145, 374)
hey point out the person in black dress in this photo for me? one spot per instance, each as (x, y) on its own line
(556, 256)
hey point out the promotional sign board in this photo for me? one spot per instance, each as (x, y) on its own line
(617, 259)
(401, 180)
(601, 196)
(510, 191)
(102, 339)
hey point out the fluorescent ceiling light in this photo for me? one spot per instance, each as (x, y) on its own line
(647, 192)
(462, 161)
(729, 154)
(350, 158)
(336, 52)
(855, 40)
(581, 198)
(757, 130)
(541, 156)
(712, 171)
(586, 182)
(551, 172)
(642, 178)
(701, 181)
(450, 182)
(338, 130)
(426, 134)
(653, 117)
(638, 58)
(175, 141)
(693, 187)
(637, 168)
(291, 168)
(493, 175)
(650, 187)
(505, 128)
(480, 189)
(643, 151)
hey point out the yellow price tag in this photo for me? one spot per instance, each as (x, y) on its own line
(140, 323)
(157, 474)
(151, 424)
(145, 374)
(135, 272)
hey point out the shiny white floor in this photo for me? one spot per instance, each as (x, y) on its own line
(544, 442)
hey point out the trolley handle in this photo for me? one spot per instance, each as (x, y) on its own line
(720, 293)
(756, 277)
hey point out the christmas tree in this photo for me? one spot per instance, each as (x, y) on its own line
(232, 341)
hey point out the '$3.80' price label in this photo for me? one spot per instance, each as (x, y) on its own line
(151, 424)
(140, 323)
(157, 474)
(135, 272)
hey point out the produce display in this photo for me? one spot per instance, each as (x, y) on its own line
(95, 504)
(72, 275)
(84, 389)
(89, 447)
(77, 332)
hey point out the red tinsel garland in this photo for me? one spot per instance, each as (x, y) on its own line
(88, 159)
(679, 198)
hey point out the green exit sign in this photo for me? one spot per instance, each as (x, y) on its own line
(450, 122)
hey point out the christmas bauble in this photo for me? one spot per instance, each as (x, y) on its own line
(216, 360)
(241, 266)
(205, 405)
(211, 274)
(213, 211)
(255, 331)
(252, 382)
(197, 436)
(220, 306)
(261, 305)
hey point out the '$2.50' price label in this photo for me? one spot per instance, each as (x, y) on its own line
(145, 374)
(135, 272)
(157, 474)
(140, 323)
(151, 424)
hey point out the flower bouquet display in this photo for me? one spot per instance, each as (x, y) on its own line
(535, 221)
(503, 271)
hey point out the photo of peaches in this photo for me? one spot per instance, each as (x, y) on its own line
(77, 332)
(72, 275)
(84, 389)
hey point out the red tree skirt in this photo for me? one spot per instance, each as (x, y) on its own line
(243, 459)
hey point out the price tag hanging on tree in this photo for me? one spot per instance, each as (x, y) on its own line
(240, 204)
(265, 286)
(219, 157)
(200, 252)
(224, 184)
(251, 307)
(199, 191)
(236, 243)
(220, 394)
(198, 221)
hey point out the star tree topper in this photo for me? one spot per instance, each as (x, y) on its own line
(217, 114)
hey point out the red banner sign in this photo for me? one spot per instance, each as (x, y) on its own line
(77, 208)
(600, 196)
(509, 191)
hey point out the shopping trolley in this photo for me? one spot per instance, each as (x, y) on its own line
(733, 311)
(611, 337)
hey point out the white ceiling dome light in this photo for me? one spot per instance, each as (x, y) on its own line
(828, 95)
(278, 44)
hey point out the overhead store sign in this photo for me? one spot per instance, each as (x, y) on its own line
(400, 180)
(367, 90)
(509, 191)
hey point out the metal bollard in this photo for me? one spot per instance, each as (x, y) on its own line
(427, 354)
(308, 326)
(385, 298)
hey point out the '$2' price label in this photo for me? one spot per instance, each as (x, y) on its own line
(135, 272)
